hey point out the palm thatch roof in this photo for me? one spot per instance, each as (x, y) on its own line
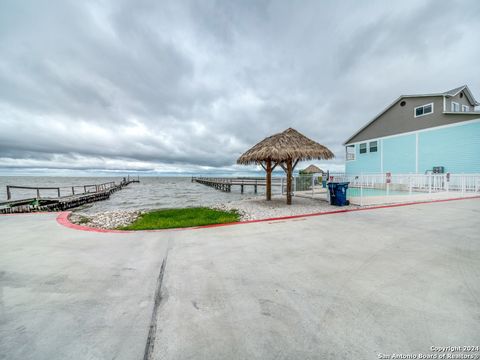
(289, 144)
(312, 169)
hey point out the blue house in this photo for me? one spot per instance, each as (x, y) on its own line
(418, 134)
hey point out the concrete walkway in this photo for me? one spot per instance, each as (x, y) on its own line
(342, 286)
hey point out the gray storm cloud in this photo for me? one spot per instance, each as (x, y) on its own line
(184, 85)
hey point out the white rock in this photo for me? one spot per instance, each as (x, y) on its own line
(258, 208)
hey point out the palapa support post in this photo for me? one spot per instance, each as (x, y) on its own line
(268, 190)
(289, 181)
(288, 167)
(268, 180)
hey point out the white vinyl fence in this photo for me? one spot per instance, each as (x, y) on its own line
(370, 189)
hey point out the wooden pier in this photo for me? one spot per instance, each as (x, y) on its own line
(225, 184)
(76, 196)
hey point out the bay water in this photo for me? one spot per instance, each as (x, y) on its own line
(150, 193)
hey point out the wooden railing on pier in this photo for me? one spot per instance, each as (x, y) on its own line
(225, 184)
(67, 196)
(86, 189)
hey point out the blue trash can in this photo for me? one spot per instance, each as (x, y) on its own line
(332, 189)
(338, 193)
(324, 184)
(341, 194)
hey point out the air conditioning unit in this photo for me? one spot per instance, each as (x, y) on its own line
(438, 170)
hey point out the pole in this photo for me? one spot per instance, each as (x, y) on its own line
(269, 180)
(9, 194)
(361, 189)
(289, 182)
(313, 185)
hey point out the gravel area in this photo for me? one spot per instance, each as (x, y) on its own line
(253, 208)
(105, 220)
(256, 208)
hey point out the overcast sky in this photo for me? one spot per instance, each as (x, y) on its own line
(187, 86)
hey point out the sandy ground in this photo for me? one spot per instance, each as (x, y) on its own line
(258, 208)
(253, 208)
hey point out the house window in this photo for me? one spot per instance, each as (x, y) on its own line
(350, 152)
(373, 146)
(455, 107)
(465, 108)
(423, 110)
(363, 148)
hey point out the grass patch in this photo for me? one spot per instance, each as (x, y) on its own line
(83, 220)
(181, 218)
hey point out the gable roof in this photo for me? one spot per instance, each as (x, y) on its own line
(448, 93)
(455, 91)
(467, 92)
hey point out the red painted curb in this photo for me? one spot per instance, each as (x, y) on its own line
(62, 218)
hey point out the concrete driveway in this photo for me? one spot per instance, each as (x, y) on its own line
(342, 286)
(68, 294)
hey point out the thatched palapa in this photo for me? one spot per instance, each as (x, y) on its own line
(311, 169)
(289, 144)
(285, 149)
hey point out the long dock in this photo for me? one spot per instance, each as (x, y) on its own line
(77, 196)
(225, 184)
